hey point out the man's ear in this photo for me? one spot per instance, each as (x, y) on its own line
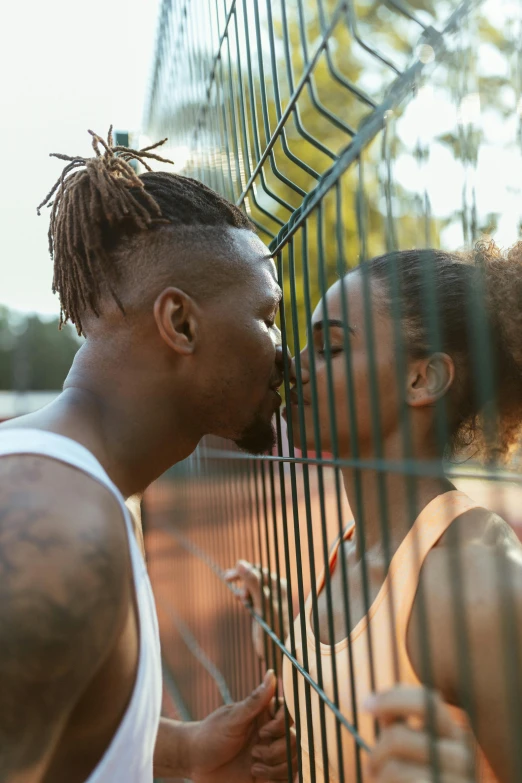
(175, 313)
(429, 379)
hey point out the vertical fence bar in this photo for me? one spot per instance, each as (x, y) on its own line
(297, 535)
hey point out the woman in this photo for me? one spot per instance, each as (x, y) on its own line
(413, 597)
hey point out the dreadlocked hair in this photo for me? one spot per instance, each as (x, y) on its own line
(97, 202)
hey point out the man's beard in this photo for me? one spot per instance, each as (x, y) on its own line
(258, 437)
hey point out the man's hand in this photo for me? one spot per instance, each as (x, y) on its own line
(403, 751)
(220, 748)
(270, 755)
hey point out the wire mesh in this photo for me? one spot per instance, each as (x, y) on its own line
(329, 123)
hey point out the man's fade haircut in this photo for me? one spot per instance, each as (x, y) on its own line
(99, 202)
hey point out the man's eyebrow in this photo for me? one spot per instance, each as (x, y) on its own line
(319, 325)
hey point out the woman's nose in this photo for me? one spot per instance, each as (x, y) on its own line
(283, 355)
(303, 364)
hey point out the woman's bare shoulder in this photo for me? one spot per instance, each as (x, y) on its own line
(470, 580)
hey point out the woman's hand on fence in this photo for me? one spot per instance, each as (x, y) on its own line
(254, 583)
(270, 756)
(409, 739)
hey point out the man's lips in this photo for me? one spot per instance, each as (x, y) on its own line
(277, 397)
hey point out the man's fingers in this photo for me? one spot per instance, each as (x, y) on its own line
(276, 749)
(278, 721)
(400, 743)
(403, 702)
(270, 757)
(270, 754)
(274, 728)
(245, 711)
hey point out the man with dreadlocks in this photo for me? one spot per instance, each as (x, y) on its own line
(176, 297)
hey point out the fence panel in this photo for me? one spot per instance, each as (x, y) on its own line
(345, 130)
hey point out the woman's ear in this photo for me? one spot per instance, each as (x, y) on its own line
(176, 319)
(429, 379)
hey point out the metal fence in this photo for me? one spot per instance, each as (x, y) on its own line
(344, 129)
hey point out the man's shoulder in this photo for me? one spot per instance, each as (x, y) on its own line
(56, 488)
(58, 524)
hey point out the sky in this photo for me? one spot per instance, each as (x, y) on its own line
(69, 66)
(66, 67)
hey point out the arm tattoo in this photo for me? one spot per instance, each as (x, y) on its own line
(60, 602)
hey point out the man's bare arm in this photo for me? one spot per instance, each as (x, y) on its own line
(172, 754)
(64, 589)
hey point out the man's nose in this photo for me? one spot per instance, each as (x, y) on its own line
(283, 355)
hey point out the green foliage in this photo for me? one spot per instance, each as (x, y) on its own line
(293, 83)
(366, 215)
(34, 354)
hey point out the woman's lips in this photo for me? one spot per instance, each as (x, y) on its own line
(294, 399)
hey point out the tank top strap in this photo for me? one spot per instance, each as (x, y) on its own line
(63, 449)
(129, 755)
(334, 551)
(431, 524)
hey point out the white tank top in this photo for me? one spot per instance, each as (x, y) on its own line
(128, 759)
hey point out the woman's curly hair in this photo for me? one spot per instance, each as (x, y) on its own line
(477, 296)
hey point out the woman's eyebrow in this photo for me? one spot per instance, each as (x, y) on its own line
(319, 325)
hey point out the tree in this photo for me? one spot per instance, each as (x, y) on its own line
(34, 354)
(238, 99)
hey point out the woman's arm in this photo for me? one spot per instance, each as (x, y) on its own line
(484, 614)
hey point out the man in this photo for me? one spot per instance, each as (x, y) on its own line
(177, 298)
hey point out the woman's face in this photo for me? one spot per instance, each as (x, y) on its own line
(330, 370)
